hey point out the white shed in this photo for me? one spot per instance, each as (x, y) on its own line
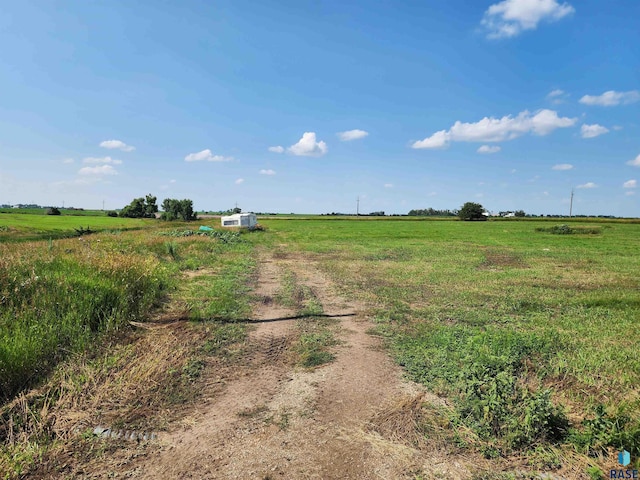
(247, 220)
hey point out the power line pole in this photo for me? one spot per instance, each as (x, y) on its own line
(358, 206)
(571, 204)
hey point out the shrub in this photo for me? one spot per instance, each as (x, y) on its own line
(53, 211)
(567, 230)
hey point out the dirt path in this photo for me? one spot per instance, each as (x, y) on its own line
(277, 421)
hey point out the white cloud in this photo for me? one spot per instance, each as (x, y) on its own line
(587, 185)
(555, 93)
(562, 166)
(557, 96)
(277, 149)
(489, 149)
(440, 139)
(352, 135)
(630, 184)
(511, 17)
(67, 160)
(388, 185)
(592, 131)
(491, 129)
(635, 162)
(611, 98)
(239, 181)
(172, 181)
(101, 160)
(117, 144)
(99, 170)
(206, 155)
(307, 146)
(267, 172)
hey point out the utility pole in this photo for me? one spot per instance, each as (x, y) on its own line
(571, 204)
(103, 205)
(358, 206)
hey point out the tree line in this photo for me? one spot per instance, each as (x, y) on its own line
(146, 207)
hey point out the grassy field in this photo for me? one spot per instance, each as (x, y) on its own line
(63, 211)
(66, 304)
(25, 227)
(531, 331)
(533, 335)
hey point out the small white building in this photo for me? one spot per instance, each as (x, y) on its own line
(247, 220)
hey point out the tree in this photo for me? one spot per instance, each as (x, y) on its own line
(178, 210)
(53, 211)
(141, 208)
(472, 211)
(236, 210)
(519, 213)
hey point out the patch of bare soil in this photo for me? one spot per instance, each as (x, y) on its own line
(355, 418)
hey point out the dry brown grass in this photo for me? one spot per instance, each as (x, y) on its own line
(134, 382)
(499, 259)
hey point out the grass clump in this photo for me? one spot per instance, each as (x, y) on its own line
(313, 346)
(567, 230)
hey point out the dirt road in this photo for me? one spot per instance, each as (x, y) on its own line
(279, 421)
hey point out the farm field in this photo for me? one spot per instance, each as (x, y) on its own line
(35, 226)
(534, 335)
(530, 338)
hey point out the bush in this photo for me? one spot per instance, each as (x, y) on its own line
(567, 230)
(53, 211)
(112, 213)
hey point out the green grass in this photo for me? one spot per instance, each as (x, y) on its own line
(29, 227)
(57, 297)
(522, 329)
(63, 302)
(315, 335)
(533, 336)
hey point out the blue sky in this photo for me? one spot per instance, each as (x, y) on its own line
(303, 106)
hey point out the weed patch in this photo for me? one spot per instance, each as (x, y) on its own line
(570, 230)
(485, 371)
